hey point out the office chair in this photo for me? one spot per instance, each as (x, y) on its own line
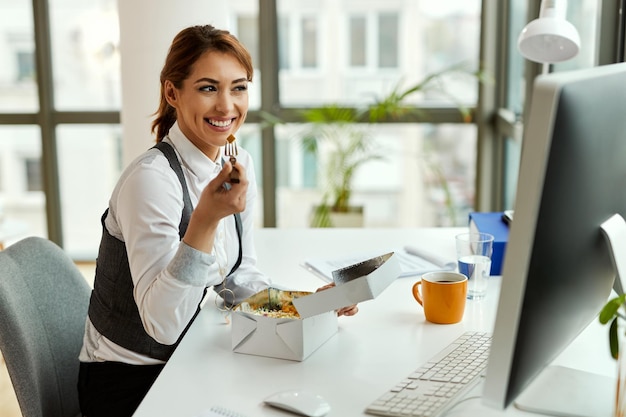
(43, 307)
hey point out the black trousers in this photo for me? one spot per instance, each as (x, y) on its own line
(113, 389)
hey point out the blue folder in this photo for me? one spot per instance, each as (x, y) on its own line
(492, 223)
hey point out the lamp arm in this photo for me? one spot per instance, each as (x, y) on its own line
(556, 9)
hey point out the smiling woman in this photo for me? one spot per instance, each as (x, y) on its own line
(175, 225)
(210, 109)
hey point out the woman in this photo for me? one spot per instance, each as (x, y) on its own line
(175, 226)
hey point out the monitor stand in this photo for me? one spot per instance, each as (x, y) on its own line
(614, 230)
(566, 392)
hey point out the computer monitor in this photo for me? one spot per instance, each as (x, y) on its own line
(558, 268)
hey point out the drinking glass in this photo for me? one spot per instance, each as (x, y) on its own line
(473, 252)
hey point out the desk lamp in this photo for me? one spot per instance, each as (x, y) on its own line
(550, 38)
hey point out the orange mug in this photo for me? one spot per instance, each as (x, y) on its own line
(442, 296)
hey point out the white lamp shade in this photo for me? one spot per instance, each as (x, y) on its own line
(549, 40)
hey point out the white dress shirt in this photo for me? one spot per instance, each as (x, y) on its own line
(169, 276)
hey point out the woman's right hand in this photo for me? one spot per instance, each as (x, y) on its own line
(219, 199)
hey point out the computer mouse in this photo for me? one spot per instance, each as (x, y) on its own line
(299, 402)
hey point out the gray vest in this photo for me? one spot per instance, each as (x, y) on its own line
(112, 308)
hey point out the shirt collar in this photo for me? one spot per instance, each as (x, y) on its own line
(197, 162)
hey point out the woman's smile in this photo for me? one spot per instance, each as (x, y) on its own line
(212, 102)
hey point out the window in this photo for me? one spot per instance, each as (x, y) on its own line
(388, 40)
(284, 44)
(85, 54)
(33, 174)
(25, 66)
(22, 200)
(343, 51)
(90, 162)
(358, 36)
(373, 40)
(248, 34)
(298, 42)
(517, 82)
(18, 86)
(309, 42)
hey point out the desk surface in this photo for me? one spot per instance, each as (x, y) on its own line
(372, 351)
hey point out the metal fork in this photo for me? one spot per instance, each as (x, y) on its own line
(231, 151)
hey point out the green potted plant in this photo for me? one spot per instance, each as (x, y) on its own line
(348, 147)
(612, 313)
(344, 134)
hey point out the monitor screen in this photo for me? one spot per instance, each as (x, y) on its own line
(558, 270)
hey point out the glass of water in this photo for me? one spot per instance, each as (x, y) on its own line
(473, 251)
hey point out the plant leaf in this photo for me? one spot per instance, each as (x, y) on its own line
(610, 309)
(268, 119)
(613, 340)
(321, 216)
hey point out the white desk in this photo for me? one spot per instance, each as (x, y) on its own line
(372, 351)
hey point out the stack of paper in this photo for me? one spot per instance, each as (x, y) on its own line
(413, 262)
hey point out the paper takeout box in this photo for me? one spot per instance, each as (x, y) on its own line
(297, 338)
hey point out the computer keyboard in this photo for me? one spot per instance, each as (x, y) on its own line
(440, 383)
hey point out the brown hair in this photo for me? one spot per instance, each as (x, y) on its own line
(187, 47)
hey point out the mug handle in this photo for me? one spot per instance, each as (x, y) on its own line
(416, 292)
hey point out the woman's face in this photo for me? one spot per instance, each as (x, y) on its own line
(213, 101)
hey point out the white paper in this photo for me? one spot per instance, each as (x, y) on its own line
(413, 261)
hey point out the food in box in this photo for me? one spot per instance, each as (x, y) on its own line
(293, 324)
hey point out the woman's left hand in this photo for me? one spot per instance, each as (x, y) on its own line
(344, 311)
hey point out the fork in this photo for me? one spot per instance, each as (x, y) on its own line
(231, 151)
